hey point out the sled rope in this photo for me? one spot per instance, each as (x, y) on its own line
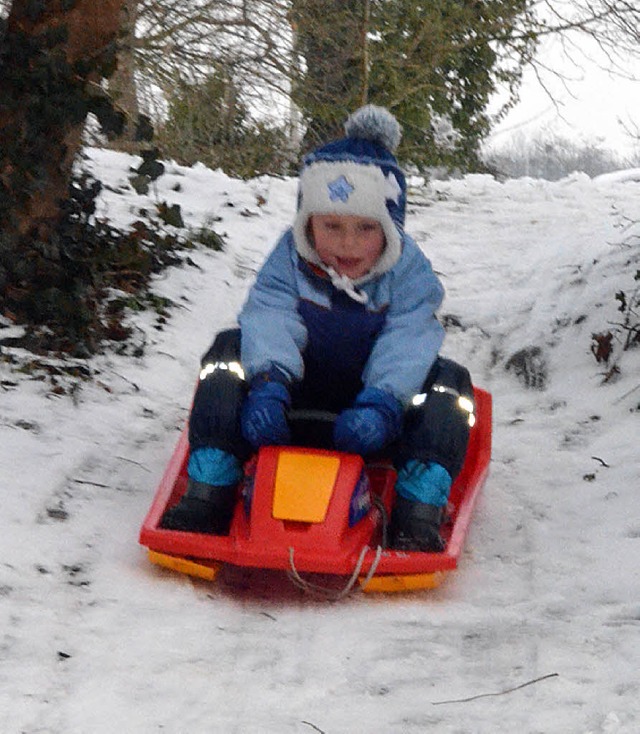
(332, 594)
(373, 568)
(385, 520)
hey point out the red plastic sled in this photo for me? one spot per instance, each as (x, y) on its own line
(316, 511)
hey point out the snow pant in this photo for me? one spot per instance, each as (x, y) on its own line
(436, 424)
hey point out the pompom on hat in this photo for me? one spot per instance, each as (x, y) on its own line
(356, 175)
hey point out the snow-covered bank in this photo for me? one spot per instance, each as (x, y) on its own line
(95, 640)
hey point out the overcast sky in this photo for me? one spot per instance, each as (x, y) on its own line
(590, 105)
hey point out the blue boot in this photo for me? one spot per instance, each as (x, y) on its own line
(422, 491)
(209, 500)
(415, 526)
(203, 508)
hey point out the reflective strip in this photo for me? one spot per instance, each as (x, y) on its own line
(421, 397)
(211, 367)
(446, 389)
(462, 402)
(466, 404)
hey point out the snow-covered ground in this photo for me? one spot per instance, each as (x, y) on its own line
(537, 632)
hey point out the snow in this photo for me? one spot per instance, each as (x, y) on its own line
(537, 631)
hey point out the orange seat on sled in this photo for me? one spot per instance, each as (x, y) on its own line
(303, 486)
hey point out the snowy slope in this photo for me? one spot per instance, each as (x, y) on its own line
(95, 640)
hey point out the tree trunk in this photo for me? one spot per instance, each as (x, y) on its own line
(52, 57)
(331, 41)
(122, 83)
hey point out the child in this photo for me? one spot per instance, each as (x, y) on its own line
(341, 318)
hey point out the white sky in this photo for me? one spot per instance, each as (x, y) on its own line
(590, 105)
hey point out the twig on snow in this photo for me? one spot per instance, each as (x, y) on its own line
(126, 379)
(602, 461)
(313, 726)
(499, 693)
(135, 463)
(626, 395)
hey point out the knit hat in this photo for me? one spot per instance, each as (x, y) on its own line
(356, 175)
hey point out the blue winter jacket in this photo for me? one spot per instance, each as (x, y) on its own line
(296, 320)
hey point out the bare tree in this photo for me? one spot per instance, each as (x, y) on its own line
(180, 41)
(613, 24)
(609, 27)
(324, 57)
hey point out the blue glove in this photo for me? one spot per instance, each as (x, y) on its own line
(374, 420)
(264, 412)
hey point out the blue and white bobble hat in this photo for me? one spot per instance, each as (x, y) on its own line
(356, 175)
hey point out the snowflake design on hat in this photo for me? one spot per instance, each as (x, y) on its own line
(392, 188)
(340, 189)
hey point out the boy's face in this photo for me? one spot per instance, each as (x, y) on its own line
(349, 244)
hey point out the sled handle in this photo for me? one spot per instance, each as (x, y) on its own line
(309, 414)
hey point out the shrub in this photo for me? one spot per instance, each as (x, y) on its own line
(208, 123)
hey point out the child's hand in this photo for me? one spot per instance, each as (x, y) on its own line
(264, 413)
(374, 421)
